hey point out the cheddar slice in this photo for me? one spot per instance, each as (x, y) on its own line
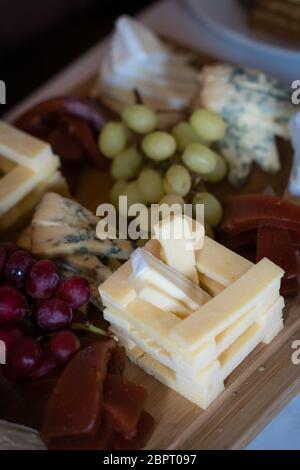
(177, 239)
(220, 264)
(147, 270)
(260, 282)
(22, 148)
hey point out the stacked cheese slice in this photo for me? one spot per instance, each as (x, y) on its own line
(187, 338)
(28, 169)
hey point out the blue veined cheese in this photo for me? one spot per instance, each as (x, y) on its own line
(256, 107)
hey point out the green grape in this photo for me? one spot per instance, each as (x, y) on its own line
(219, 172)
(171, 199)
(208, 125)
(133, 193)
(112, 139)
(213, 210)
(116, 192)
(184, 135)
(126, 165)
(209, 231)
(200, 159)
(151, 185)
(139, 118)
(177, 180)
(159, 145)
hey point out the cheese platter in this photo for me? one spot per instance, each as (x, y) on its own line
(207, 333)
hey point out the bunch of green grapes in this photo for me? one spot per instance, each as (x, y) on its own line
(137, 147)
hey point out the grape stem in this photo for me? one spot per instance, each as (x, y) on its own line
(137, 96)
(89, 327)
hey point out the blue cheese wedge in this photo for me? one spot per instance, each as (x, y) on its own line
(257, 108)
(61, 226)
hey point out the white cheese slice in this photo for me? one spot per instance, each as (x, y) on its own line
(201, 396)
(179, 242)
(147, 270)
(212, 287)
(22, 148)
(162, 300)
(23, 209)
(240, 349)
(272, 332)
(260, 282)
(20, 181)
(220, 264)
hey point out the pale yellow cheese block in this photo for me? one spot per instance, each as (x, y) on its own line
(162, 300)
(23, 209)
(117, 289)
(148, 271)
(212, 287)
(6, 165)
(260, 281)
(219, 263)
(22, 148)
(20, 181)
(175, 236)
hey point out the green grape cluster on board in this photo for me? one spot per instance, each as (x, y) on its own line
(137, 148)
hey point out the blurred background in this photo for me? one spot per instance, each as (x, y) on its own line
(39, 37)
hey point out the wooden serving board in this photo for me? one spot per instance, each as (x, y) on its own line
(256, 391)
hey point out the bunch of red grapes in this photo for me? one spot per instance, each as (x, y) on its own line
(36, 309)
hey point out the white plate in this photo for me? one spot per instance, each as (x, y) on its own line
(229, 19)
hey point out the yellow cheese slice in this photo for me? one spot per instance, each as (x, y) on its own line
(209, 285)
(20, 181)
(23, 209)
(240, 349)
(22, 148)
(162, 300)
(117, 289)
(259, 282)
(176, 237)
(6, 165)
(147, 270)
(219, 263)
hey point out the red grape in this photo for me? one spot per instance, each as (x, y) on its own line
(43, 279)
(2, 257)
(47, 364)
(53, 314)
(24, 356)
(13, 305)
(63, 346)
(9, 335)
(17, 267)
(75, 291)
